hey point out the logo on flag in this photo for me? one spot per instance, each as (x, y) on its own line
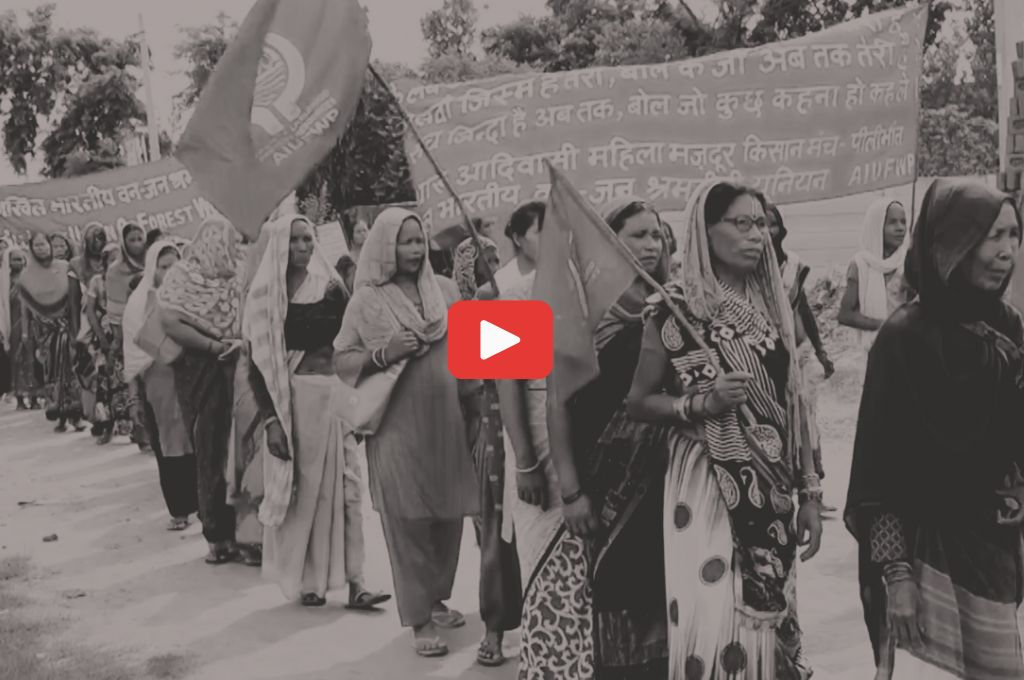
(279, 82)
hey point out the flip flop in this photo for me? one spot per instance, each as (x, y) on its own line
(430, 647)
(448, 618)
(313, 600)
(367, 601)
(217, 557)
(488, 656)
(177, 524)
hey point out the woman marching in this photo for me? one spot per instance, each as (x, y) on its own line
(175, 460)
(12, 261)
(738, 446)
(62, 248)
(103, 375)
(293, 312)
(26, 371)
(610, 470)
(500, 583)
(118, 286)
(421, 476)
(875, 285)
(82, 269)
(199, 304)
(48, 327)
(936, 496)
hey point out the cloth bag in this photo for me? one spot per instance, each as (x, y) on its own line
(361, 408)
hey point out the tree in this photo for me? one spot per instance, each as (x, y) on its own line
(62, 80)
(528, 41)
(982, 98)
(952, 142)
(450, 29)
(201, 47)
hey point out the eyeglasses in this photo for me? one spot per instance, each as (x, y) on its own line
(744, 223)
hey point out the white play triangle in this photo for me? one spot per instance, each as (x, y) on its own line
(495, 340)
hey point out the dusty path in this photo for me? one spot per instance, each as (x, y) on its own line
(148, 594)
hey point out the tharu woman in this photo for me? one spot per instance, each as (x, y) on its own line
(175, 460)
(293, 311)
(48, 328)
(500, 583)
(199, 307)
(421, 476)
(875, 285)
(738, 449)
(936, 498)
(611, 471)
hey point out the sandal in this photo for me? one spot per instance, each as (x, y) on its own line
(313, 600)
(219, 556)
(490, 656)
(250, 557)
(178, 524)
(448, 618)
(430, 647)
(367, 601)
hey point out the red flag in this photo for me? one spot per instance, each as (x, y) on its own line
(281, 96)
(582, 272)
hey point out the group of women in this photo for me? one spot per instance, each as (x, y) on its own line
(647, 525)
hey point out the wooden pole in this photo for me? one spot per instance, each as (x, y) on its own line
(154, 135)
(443, 177)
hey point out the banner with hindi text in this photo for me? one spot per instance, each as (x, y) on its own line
(153, 195)
(821, 116)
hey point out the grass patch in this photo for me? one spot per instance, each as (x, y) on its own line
(30, 648)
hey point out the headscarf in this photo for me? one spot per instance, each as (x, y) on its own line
(5, 294)
(629, 308)
(120, 275)
(464, 270)
(872, 266)
(45, 285)
(82, 266)
(263, 321)
(70, 248)
(204, 285)
(376, 270)
(136, 361)
(702, 294)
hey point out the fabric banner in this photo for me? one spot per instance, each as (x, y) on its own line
(281, 96)
(154, 195)
(826, 115)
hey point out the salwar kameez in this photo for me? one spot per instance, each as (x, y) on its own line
(319, 545)
(175, 460)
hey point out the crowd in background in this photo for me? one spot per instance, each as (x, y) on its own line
(646, 525)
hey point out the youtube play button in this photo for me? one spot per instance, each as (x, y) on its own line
(501, 340)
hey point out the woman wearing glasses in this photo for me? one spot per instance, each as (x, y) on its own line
(738, 447)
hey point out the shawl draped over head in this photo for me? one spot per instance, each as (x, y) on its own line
(204, 286)
(703, 295)
(390, 309)
(872, 266)
(83, 267)
(136, 361)
(943, 393)
(45, 285)
(464, 270)
(5, 294)
(120, 274)
(630, 306)
(263, 327)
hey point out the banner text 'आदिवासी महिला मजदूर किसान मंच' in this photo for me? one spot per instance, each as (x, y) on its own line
(826, 115)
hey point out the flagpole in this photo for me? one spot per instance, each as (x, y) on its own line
(442, 176)
(154, 136)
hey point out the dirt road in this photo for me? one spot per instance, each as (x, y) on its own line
(125, 584)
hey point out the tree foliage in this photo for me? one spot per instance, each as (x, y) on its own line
(952, 142)
(76, 84)
(201, 47)
(450, 30)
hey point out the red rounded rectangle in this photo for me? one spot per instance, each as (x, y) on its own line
(501, 340)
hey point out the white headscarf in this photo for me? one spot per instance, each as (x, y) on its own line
(136, 361)
(266, 307)
(5, 293)
(872, 267)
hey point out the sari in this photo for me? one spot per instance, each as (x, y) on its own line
(26, 371)
(880, 283)
(938, 434)
(46, 327)
(103, 375)
(7, 283)
(205, 290)
(729, 514)
(421, 477)
(500, 580)
(315, 544)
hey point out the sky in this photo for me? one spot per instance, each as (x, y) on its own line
(394, 28)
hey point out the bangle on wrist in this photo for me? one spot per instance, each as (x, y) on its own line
(530, 468)
(270, 421)
(573, 497)
(683, 407)
(894, 572)
(377, 358)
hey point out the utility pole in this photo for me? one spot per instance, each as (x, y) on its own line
(154, 135)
